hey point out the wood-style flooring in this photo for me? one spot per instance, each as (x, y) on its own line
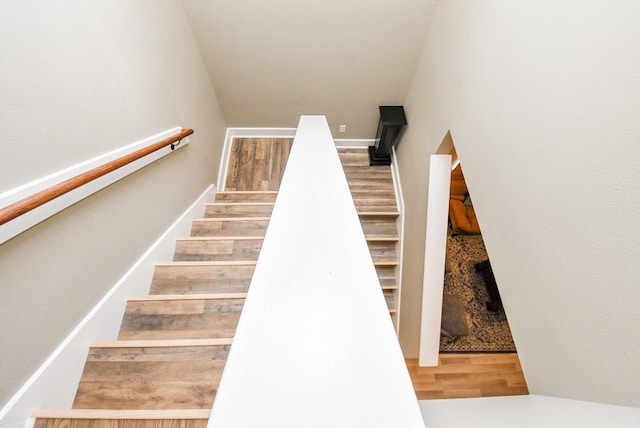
(257, 163)
(469, 376)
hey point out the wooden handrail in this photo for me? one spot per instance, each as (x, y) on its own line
(32, 202)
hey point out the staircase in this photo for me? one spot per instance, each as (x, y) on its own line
(375, 199)
(165, 366)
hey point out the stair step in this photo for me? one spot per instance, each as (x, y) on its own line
(83, 418)
(367, 171)
(142, 375)
(360, 185)
(380, 214)
(381, 238)
(238, 209)
(184, 297)
(383, 251)
(217, 249)
(387, 202)
(354, 156)
(255, 226)
(372, 195)
(181, 317)
(202, 277)
(390, 298)
(379, 226)
(386, 263)
(240, 196)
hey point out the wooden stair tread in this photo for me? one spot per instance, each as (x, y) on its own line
(156, 374)
(385, 263)
(228, 195)
(381, 238)
(247, 192)
(378, 213)
(221, 238)
(170, 319)
(121, 414)
(202, 277)
(232, 219)
(205, 248)
(229, 226)
(224, 209)
(240, 204)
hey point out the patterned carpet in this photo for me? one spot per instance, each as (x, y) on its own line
(488, 331)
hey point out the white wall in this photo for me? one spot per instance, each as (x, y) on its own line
(271, 61)
(543, 102)
(78, 79)
(525, 411)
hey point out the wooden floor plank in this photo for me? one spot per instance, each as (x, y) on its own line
(258, 163)
(469, 376)
(151, 378)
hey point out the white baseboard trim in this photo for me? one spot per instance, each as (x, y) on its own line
(35, 216)
(354, 142)
(55, 382)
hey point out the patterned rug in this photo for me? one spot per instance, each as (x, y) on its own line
(488, 331)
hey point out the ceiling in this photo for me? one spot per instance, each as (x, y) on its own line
(271, 61)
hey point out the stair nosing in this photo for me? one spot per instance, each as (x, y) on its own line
(243, 204)
(160, 343)
(381, 238)
(221, 238)
(385, 263)
(247, 192)
(121, 414)
(379, 213)
(243, 218)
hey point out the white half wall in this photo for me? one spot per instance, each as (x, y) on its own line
(315, 345)
(434, 258)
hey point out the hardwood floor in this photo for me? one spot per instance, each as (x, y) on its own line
(257, 163)
(468, 376)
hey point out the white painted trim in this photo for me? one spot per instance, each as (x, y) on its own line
(30, 219)
(246, 133)
(354, 142)
(55, 382)
(395, 174)
(434, 258)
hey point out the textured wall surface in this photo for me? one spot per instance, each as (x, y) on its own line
(272, 61)
(545, 119)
